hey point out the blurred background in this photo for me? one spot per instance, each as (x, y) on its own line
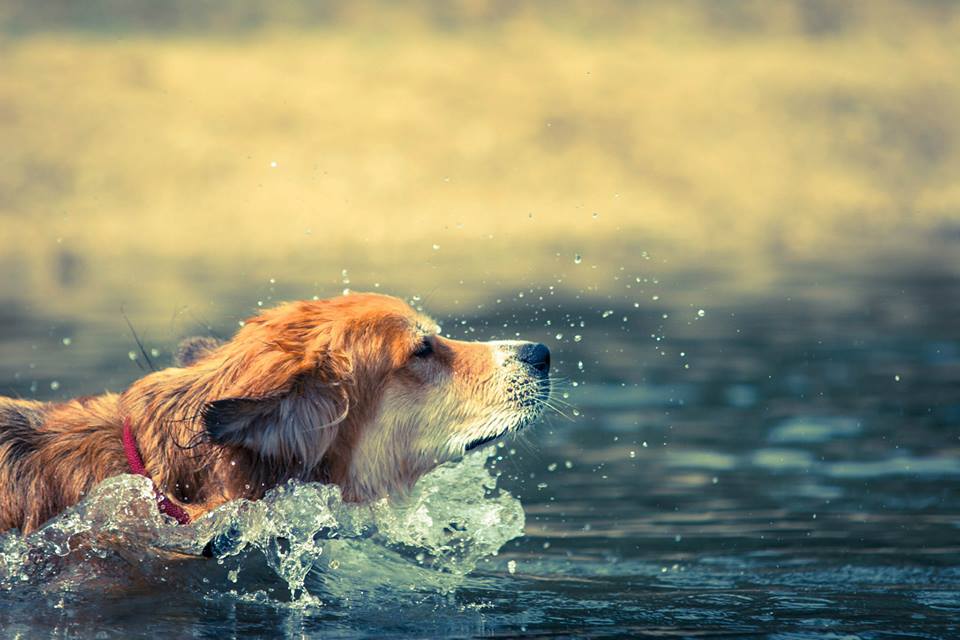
(736, 225)
(186, 161)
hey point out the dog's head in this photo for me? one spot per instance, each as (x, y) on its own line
(363, 391)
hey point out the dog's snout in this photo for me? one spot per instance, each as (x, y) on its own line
(536, 355)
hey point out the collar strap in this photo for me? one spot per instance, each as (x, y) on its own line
(166, 506)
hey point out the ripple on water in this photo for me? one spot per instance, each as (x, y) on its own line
(941, 600)
(810, 429)
(800, 603)
(899, 465)
(701, 459)
(783, 459)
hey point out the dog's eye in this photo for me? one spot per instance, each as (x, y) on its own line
(424, 349)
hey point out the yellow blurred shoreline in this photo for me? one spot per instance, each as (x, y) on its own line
(365, 142)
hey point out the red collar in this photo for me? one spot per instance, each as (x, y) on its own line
(165, 505)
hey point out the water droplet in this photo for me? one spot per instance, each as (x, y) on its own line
(577, 258)
(607, 313)
(132, 355)
(580, 365)
(512, 567)
(568, 464)
(896, 378)
(436, 247)
(577, 338)
(552, 466)
(701, 313)
(67, 342)
(54, 385)
(559, 336)
(273, 164)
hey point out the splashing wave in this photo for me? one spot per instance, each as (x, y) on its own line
(301, 536)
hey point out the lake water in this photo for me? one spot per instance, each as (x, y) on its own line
(783, 465)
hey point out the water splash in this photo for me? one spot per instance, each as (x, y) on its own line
(305, 534)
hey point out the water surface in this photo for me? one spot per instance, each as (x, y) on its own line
(780, 466)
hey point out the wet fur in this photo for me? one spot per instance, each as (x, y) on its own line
(288, 397)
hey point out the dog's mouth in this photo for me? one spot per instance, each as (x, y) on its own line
(516, 428)
(531, 400)
(482, 441)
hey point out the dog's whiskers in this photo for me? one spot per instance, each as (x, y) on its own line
(549, 405)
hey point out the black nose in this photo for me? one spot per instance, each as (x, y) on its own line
(535, 355)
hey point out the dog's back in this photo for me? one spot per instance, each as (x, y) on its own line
(20, 437)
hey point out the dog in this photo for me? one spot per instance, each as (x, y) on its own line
(360, 391)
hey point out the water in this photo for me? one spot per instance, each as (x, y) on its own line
(780, 466)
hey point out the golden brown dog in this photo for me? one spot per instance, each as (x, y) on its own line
(359, 390)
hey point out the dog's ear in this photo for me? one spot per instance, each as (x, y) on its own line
(193, 349)
(283, 401)
(293, 429)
